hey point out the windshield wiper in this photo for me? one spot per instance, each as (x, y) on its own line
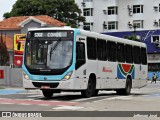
(54, 47)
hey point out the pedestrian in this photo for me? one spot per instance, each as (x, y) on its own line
(154, 78)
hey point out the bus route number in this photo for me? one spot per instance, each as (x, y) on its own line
(38, 35)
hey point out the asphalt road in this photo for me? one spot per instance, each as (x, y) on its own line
(144, 99)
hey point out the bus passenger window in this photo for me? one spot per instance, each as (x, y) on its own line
(111, 50)
(136, 54)
(120, 52)
(101, 50)
(129, 56)
(80, 54)
(143, 56)
(91, 48)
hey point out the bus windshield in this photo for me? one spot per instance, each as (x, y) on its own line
(47, 54)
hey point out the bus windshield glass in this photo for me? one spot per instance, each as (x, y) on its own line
(48, 53)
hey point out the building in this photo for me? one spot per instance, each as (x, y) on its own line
(125, 18)
(20, 25)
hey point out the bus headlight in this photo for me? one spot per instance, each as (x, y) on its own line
(68, 76)
(25, 76)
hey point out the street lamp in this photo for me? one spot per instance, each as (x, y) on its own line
(132, 26)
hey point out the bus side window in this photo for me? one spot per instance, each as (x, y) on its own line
(80, 54)
(101, 50)
(91, 48)
(111, 51)
(120, 52)
(129, 56)
(136, 54)
(143, 56)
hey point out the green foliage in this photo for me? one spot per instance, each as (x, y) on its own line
(132, 37)
(64, 10)
(4, 55)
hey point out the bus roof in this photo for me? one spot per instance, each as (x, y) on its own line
(93, 34)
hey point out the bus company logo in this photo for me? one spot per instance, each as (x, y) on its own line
(107, 70)
(125, 69)
(45, 78)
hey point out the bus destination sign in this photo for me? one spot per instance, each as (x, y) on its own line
(50, 34)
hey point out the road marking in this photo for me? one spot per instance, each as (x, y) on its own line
(36, 102)
(121, 98)
(32, 96)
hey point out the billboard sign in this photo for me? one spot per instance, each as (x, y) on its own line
(19, 42)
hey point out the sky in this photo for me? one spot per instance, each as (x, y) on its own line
(5, 6)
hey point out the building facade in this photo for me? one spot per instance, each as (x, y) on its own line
(119, 15)
(20, 25)
(125, 18)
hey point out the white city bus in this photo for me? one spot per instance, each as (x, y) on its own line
(67, 59)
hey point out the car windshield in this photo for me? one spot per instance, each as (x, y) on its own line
(48, 54)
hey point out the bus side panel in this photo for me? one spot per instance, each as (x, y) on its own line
(81, 79)
(91, 68)
(140, 76)
(144, 75)
(136, 81)
(112, 75)
(103, 81)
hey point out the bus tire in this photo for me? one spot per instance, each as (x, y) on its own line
(90, 89)
(47, 93)
(127, 89)
(95, 93)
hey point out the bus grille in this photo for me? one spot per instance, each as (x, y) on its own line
(52, 85)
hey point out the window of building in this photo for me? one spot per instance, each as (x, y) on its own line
(137, 9)
(128, 53)
(136, 54)
(143, 56)
(155, 38)
(101, 50)
(112, 51)
(138, 23)
(88, 12)
(91, 48)
(113, 25)
(120, 52)
(87, 26)
(113, 10)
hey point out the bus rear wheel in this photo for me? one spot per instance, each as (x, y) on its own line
(90, 89)
(47, 93)
(127, 89)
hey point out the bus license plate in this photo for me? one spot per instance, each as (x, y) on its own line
(45, 87)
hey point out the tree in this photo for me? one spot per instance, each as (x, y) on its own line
(132, 37)
(4, 55)
(63, 10)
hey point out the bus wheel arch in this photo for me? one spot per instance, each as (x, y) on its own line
(91, 87)
(128, 87)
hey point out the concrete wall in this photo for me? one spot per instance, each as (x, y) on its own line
(12, 77)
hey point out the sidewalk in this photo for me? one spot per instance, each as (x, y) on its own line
(7, 90)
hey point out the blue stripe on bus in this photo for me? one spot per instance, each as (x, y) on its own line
(55, 77)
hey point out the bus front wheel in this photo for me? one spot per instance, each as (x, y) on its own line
(47, 93)
(90, 89)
